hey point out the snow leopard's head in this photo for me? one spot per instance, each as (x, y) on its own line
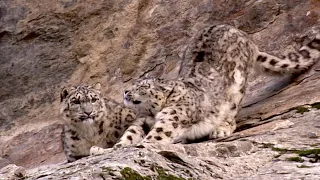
(147, 97)
(82, 103)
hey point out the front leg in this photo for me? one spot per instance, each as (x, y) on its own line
(136, 132)
(164, 131)
(73, 145)
(95, 150)
(171, 125)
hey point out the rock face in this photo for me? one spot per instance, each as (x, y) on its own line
(45, 45)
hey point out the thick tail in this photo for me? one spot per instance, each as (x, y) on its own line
(293, 62)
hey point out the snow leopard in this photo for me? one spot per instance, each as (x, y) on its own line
(91, 120)
(205, 99)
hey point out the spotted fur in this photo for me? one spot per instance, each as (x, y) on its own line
(205, 99)
(174, 110)
(91, 120)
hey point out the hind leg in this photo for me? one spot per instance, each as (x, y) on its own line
(135, 133)
(225, 123)
(163, 131)
(225, 129)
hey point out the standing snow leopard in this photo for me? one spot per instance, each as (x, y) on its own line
(205, 99)
(91, 120)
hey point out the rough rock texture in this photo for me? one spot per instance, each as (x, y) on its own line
(269, 153)
(45, 45)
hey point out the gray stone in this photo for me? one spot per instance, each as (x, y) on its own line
(45, 46)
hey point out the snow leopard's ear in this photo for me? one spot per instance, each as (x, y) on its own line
(64, 93)
(96, 86)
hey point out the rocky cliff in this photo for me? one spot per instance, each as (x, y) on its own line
(45, 45)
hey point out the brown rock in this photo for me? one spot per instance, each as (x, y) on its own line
(46, 45)
(12, 172)
(33, 148)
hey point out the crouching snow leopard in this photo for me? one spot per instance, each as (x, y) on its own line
(91, 120)
(205, 99)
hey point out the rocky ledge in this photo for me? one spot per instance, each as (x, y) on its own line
(281, 149)
(46, 45)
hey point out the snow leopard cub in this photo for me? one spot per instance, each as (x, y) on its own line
(91, 120)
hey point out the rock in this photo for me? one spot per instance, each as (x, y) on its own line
(33, 148)
(45, 46)
(270, 154)
(155, 163)
(12, 172)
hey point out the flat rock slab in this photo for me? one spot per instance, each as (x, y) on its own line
(209, 161)
(281, 149)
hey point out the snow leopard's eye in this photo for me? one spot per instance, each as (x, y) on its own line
(75, 101)
(143, 93)
(94, 100)
(136, 102)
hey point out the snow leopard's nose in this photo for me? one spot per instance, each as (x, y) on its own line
(88, 113)
(87, 110)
